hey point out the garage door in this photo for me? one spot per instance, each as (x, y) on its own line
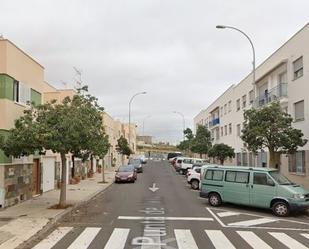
(48, 173)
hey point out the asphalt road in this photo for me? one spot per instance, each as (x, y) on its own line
(132, 216)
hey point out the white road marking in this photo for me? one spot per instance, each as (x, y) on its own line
(164, 218)
(85, 238)
(53, 238)
(248, 223)
(226, 214)
(215, 216)
(185, 239)
(253, 240)
(153, 188)
(118, 239)
(288, 241)
(306, 235)
(219, 240)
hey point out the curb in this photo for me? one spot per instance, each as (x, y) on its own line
(55, 219)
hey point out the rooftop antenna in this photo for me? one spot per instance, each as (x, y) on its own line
(78, 77)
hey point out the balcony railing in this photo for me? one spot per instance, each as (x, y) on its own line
(281, 90)
(214, 122)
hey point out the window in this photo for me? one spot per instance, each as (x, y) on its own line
(244, 101)
(299, 111)
(221, 131)
(225, 107)
(238, 130)
(225, 130)
(297, 162)
(238, 104)
(262, 179)
(16, 91)
(251, 96)
(214, 175)
(230, 106)
(298, 68)
(237, 176)
(230, 129)
(24, 94)
(217, 133)
(221, 110)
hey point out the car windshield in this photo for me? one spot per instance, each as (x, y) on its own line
(126, 169)
(281, 179)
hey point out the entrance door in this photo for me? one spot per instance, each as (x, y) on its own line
(48, 174)
(36, 177)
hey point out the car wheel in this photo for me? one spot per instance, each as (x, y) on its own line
(195, 184)
(214, 199)
(281, 208)
(181, 171)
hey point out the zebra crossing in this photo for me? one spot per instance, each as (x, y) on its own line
(183, 239)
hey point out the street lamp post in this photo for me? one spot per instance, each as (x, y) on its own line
(253, 49)
(139, 93)
(183, 122)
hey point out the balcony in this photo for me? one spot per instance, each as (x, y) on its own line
(214, 122)
(276, 93)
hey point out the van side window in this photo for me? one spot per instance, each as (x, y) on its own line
(215, 175)
(262, 179)
(237, 176)
(198, 170)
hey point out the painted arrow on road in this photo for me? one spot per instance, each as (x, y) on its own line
(153, 188)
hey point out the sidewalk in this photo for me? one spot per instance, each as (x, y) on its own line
(21, 222)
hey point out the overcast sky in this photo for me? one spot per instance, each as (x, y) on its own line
(169, 48)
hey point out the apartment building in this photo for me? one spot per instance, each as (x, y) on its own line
(21, 83)
(282, 77)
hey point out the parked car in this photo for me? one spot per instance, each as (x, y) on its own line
(137, 163)
(252, 186)
(193, 177)
(173, 154)
(187, 163)
(178, 163)
(126, 173)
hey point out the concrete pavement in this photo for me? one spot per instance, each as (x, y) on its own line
(19, 223)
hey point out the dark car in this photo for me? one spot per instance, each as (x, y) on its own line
(126, 173)
(137, 163)
(173, 154)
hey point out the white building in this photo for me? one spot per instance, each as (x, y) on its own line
(283, 76)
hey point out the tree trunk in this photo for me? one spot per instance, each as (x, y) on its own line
(122, 159)
(63, 183)
(201, 155)
(103, 171)
(222, 161)
(274, 159)
(73, 167)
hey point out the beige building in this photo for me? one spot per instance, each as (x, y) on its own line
(283, 77)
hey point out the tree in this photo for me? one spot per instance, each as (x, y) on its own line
(185, 145)
(73, 126)
(123, 147)
(221, 152)
(201, 143)
(270, 127)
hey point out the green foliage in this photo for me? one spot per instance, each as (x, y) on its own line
(271, 127)
(123, 147)
(73, 126)
(221, 152)
(201, 143)
(188, 134)
(185, 145)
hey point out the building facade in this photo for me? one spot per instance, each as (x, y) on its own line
(22, 84)
(282, 77)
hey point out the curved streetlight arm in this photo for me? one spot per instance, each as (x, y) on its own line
(130, 102)
(251, 43)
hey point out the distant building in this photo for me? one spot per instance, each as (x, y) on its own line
(144, 139)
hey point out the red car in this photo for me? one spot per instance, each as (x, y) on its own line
(126, 173)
